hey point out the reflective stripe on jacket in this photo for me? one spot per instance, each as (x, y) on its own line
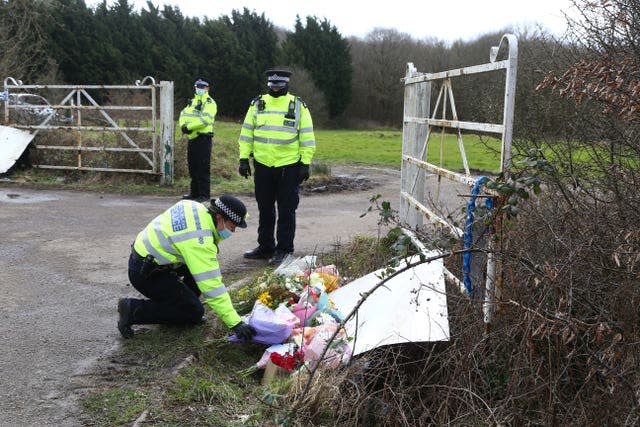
(272, 137)
(199, 120)
(186, 234)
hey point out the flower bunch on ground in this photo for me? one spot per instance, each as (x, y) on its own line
(288, 361)
(270, 288)
(291, 310)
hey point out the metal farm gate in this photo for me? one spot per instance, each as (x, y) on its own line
(421, 178)
(118, 128)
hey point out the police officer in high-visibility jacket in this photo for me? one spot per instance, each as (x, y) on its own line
(196, 123)
(278, 133)
(174, 260)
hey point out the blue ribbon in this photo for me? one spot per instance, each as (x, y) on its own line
(468, 232)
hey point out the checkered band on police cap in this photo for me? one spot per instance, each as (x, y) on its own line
(278, 75)
(233, 208)
(201, 81)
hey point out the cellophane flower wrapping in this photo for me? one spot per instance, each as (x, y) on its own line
(305, 308)
(271, 327)
(296, 266)
(312, 340)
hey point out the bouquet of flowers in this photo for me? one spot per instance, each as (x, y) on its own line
(271, 289)
(292, 305)
(288, 361)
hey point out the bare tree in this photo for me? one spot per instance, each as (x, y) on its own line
(22, 39)
(379, 64)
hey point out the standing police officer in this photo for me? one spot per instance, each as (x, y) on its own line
(196, 122)
(278, 133)
(174, 260)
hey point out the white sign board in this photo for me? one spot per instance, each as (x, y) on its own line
(411, 307)
(12, 143)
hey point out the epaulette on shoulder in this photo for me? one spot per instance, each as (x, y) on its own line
(256, 99)
(304, 104)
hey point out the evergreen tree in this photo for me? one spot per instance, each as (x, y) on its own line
(321, 50)
(259, 42)
(218, 54)
(130, 41)
(163, 29)
(76, 42)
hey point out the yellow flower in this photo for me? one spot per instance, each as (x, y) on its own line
(265, 298)
(331, 282)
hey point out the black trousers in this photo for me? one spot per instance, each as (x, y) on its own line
(172, 299)
(199, 160)
(277, 186)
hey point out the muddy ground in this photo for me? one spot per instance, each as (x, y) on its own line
(63, 259)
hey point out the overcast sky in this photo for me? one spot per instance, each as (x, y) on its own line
(444, 20)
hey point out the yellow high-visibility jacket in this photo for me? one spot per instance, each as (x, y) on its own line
(185, 234)
(278, 131)
(199, 120)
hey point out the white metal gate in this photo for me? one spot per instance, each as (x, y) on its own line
(419, 123)
(116, 128)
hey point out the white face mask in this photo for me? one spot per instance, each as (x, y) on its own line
(200, 91)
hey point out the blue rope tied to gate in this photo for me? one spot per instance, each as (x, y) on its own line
(468, 232)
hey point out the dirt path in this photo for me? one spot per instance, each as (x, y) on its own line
(63, 258)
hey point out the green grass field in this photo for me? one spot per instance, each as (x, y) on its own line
(384, 148)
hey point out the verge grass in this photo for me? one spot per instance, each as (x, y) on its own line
(215, 387)
(180, 376)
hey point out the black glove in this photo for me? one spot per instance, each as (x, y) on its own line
(244, 332)
(303, 173)
(244, 169)
(184, 129)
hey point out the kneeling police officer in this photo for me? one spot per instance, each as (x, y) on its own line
(174, 261)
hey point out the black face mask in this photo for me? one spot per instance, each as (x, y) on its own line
(280, 92)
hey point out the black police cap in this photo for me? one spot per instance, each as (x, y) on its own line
(278, 75)
(231, 208)
(201, 81)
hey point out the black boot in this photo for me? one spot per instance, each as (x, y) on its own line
(125, 319)
(259, 253)
(278, 257)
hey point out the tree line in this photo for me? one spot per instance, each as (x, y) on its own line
(348, 82)
(66, 41)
